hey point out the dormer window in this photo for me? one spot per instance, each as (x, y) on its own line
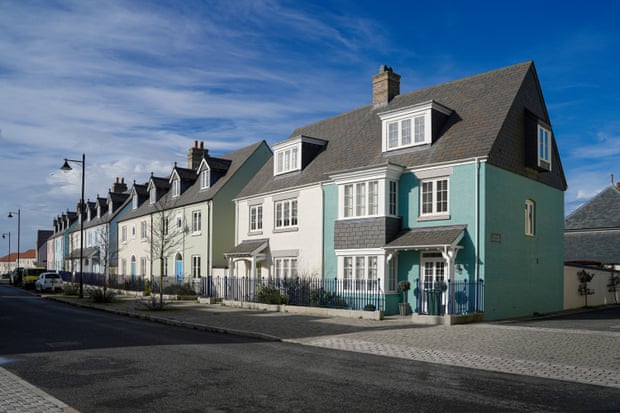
(205, 178)
(152, 195)
(287, 159)
(176, 187)
(134, 201)
(410, 126)
(544, 148)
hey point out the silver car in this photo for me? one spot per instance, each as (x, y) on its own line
(49, 281)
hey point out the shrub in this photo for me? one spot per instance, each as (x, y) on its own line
(71, 289)
(99, 295)
(270, 295)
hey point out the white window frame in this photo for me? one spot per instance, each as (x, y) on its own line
(133, 231)
(134, 201)
(196, 266)
(435, 197)
(530, 217)
(287, 159)
(205, 178)
(360, 272)
(361, 199)
(286, 214)
(196, 222)
(143, 230)
(152, 195)
(544, 147)
(143, 266)
(124, 233)
(285, 267)
(409, 127)
(179, 223)
(392, 193)
(256, 218)
(176, 187)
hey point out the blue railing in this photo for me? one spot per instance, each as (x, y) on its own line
(316, 292)
(452, 297)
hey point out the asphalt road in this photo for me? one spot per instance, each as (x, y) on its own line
(99, 362)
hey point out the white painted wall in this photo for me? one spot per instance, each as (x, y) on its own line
(601, 296)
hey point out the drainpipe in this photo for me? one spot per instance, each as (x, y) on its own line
(476, 219)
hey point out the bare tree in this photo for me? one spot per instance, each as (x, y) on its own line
(103, 242)
(165, 237)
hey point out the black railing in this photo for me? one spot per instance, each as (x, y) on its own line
(315, 292)
(137, 283)
(452, 297)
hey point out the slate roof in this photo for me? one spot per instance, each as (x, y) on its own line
(592, 231)
(485, 107)
(194, 194)
(425, 237)
(602, 211)
(247, 248)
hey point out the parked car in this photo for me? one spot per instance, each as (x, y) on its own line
(49, 281)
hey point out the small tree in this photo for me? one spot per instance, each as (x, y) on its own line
(584, 279)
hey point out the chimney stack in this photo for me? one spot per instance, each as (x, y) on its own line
(385, 86)
(119, 186)
(195, 155)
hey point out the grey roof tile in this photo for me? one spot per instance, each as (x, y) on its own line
(602, 211)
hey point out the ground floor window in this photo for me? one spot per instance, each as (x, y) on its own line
(360, 272)
(195, 266)
(285, 267)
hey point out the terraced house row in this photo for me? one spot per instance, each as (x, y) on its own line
(451, 187)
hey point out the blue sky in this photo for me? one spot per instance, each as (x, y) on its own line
(134, 83)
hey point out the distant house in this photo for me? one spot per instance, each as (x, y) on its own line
(592, 231)
(182, 224)
(459, 185)
(58, 244)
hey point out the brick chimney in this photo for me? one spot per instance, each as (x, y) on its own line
(385, 86)
(119, 186)
(195, 155)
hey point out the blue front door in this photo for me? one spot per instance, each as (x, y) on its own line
(179, 270)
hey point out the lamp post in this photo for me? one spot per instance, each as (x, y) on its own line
(19, 223)
(9, 256)
(66, 168)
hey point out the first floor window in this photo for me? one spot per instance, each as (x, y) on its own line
(256, 218)
(434, 197)
(124, 233)
(143, 266)
(195, 266)
(392, 198)
(143, 230)
(530, 211)
(361, 199)
(285, 267)
(196, 221)
(286, 213)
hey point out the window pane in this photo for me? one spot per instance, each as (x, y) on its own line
(406, 131)
(427, 197)
(419, 129)
(280, 164)
(286, 214)
(442, 195)
(360, 201)
(373, 198)
(294, 158)
(348, 273)
(393, 135)
(294, 213)
(348, 200)
(259, 217)
(392, 198)
(279, 214)
(360, 272)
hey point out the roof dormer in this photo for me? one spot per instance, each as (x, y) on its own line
(295, 154)
(412, 126)
(204, 173)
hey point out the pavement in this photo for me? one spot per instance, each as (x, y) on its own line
(570, 354)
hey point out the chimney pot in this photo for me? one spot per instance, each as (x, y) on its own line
(196, 143)
(202, 144)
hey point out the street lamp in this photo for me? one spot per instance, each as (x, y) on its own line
(66, 168)
(19, 223)
(9, 257)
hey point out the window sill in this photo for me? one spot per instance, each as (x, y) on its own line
(251, 233)
(433, 218)
(288, 229)
(196, 234)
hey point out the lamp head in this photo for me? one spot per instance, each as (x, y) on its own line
(10, 215)
(66, 167)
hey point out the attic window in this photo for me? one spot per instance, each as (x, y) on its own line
(134, 201)
(205, 179)
(544, 148)
(287, 159)
(176, 187)
(410, 126)
(152, 195)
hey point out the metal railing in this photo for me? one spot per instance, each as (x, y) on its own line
(452, 297)
(315, 292)
(137, 283)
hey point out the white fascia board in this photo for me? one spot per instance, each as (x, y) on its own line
(388, 171)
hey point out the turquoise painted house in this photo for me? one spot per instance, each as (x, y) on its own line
(456, 188)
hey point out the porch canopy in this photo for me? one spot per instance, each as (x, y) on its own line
(249, 251)
(428, 238)
(87, 253)
(443, 239)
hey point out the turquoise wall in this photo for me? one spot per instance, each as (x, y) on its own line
(523, 275)
(330, 215)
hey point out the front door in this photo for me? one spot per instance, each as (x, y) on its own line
(179, 268)
(433, 282)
